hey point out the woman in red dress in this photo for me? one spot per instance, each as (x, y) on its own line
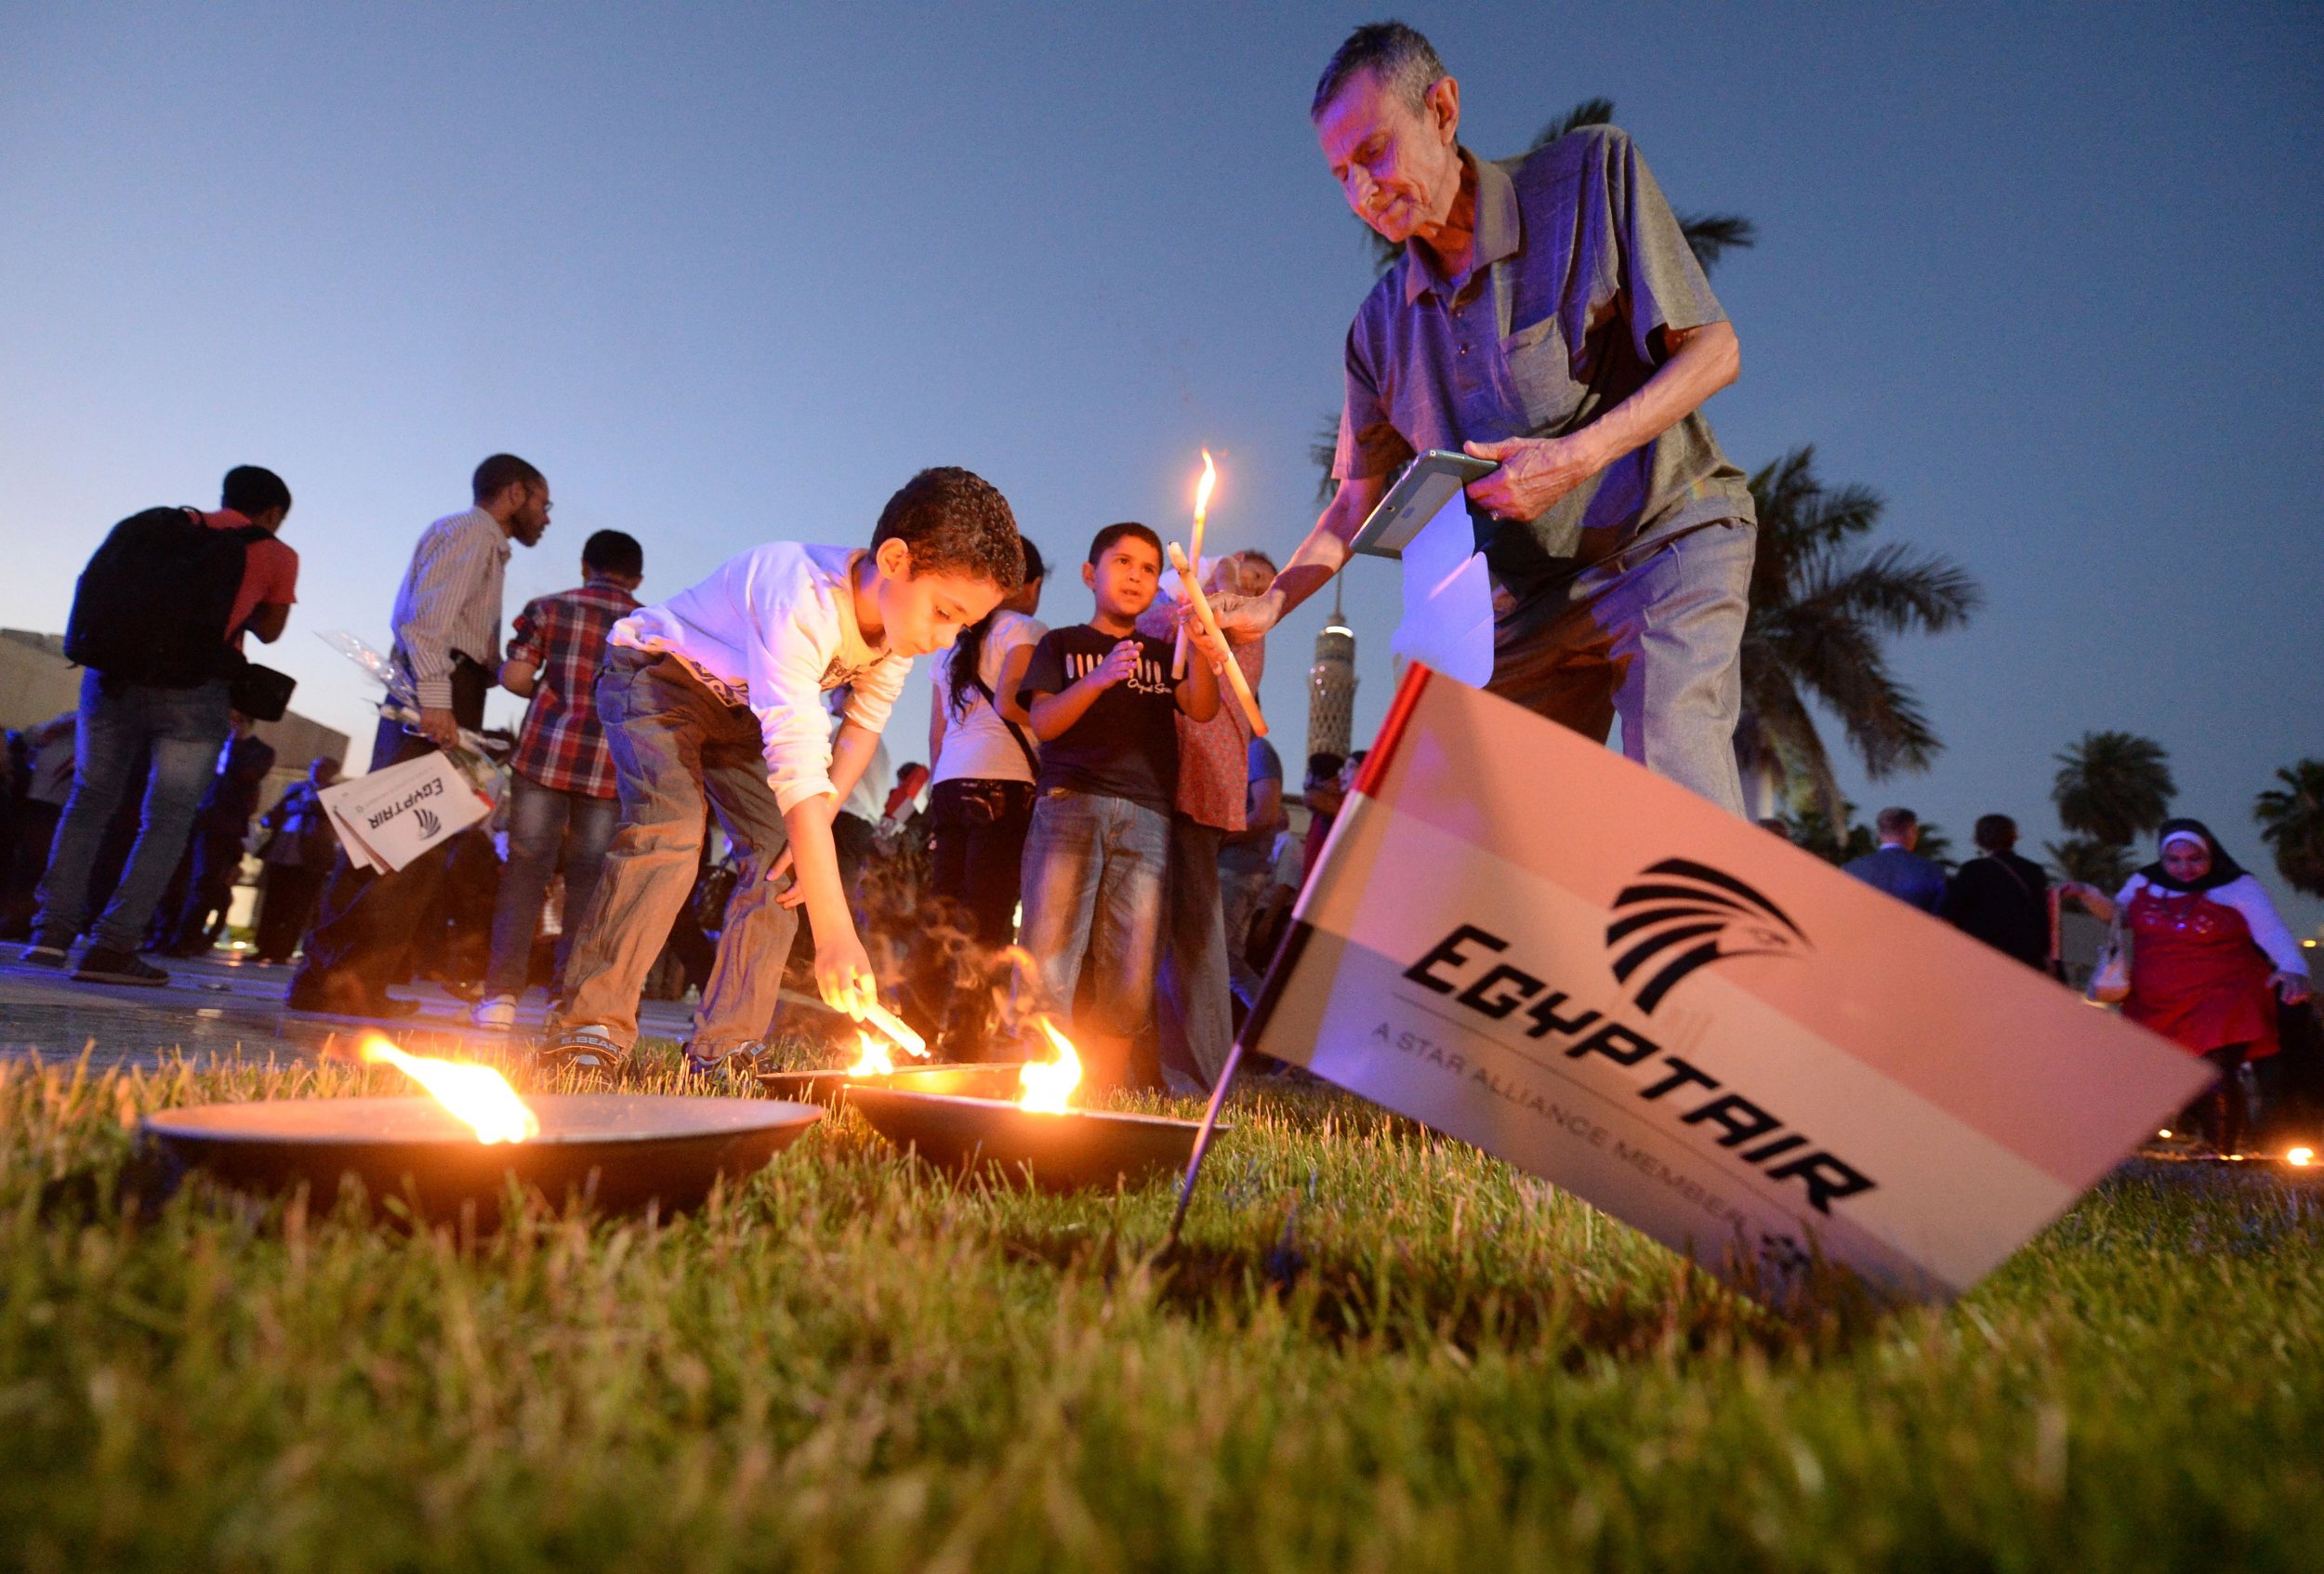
(2207, 950)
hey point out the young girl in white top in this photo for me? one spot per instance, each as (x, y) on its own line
(979, 806)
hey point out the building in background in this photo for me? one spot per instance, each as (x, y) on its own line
(38, 682)
(1331, 685)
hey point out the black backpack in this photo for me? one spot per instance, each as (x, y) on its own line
(151, 607)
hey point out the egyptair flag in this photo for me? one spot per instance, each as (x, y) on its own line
(1523, 940)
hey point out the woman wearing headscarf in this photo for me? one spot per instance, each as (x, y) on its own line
(2206, 948)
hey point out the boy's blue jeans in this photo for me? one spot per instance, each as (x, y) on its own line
(1094, 880)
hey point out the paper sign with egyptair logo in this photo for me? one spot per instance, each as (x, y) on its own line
(392, 816)
(1523, 940)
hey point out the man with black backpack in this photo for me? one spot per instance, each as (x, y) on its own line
(158, 619)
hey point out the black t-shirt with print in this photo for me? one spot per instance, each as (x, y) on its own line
(1125, 743)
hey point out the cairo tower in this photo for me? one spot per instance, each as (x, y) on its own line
(1331, 685)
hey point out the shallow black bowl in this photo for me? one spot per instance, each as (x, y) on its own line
(830, 1084)
(1078, 1148)
(618, 1152)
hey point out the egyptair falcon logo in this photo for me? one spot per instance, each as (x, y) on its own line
(429, 824)
(1679, 916)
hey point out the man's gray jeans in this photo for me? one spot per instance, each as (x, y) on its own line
(1656, 639)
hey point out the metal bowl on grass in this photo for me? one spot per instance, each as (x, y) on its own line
(1057, 1152)
(617, 1152)
(827, 1086)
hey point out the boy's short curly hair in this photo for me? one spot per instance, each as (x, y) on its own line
(955, 521)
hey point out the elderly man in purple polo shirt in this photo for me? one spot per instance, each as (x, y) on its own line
(1547, 314)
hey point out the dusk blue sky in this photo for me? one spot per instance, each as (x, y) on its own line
(2045, 277)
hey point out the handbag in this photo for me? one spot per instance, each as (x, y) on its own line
(2110, 980)
(262, 692)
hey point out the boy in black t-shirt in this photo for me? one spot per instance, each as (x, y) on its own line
(1101, 701)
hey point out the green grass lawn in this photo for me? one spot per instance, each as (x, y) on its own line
(1378, 1351)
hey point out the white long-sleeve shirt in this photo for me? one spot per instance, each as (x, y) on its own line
(2247, 897)
(773, 629)
(450, 601)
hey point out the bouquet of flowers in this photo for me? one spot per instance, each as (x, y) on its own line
(487, 775)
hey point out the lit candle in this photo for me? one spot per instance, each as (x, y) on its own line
(894, 1027)
(1202, 508)
(1234, 668)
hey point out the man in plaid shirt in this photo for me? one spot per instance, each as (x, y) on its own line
(562, 786)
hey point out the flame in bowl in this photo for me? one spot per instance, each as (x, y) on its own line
(1048, 1085)
(476, 1095)
(872, 1058)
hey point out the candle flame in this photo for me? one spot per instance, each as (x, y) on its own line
(872, 1058)
(477, 1094)
(2300, 1158)
(1202, 489)
(1048, 1085)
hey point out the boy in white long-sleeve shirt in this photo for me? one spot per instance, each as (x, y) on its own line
(717, 694)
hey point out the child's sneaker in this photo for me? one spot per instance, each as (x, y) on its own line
(589, 1050)
(497, 1012)
(728, 1067)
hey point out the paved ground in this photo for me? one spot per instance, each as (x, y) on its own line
(225, 1006)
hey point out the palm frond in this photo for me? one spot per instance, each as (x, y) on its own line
(2291, 823)
(1589, 112)
(1322, 449)
(1893, 589)
(1836, 656)
(1822, 606)
(1712, 235)
(2113, 785)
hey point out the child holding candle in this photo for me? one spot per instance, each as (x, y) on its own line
(1106, 710)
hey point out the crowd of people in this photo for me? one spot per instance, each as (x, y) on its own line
(1075, 779)
(2203, 957)
(1105, 836)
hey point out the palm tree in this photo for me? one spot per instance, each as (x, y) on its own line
(1822, 606)
(2113, 785)
(1709, 235)
(2103, 863)
(1322, 449)
(2292, 821)
(1834, 842)
(1808, 828)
